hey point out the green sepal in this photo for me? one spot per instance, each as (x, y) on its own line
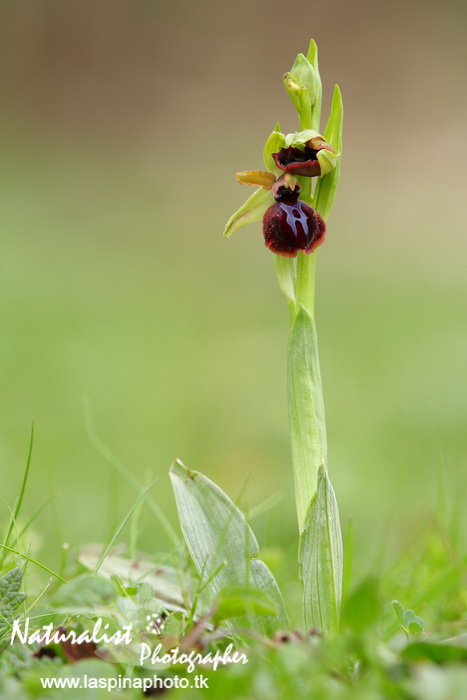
(321, 560)
(327, 185)
(253, 210)
(300, 138)
(274, 143)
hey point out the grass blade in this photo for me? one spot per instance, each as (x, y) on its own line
(33, 561)
(19, 502)
(126, 475)
(121, 526)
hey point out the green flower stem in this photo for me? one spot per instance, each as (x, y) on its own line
(305, 282)
(306, 264)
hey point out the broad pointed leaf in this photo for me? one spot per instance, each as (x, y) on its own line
(220, 541)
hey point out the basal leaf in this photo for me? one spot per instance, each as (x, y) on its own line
(165, 581)
(86, 591)
(321, 560)
(220, 541)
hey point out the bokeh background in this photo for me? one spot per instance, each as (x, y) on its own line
(122, 125)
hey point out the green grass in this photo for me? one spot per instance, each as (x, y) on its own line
(375, 656)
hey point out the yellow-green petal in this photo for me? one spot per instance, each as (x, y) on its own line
(256, 178)
(327, 160)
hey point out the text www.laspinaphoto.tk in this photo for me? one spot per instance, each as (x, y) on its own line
(125, 682)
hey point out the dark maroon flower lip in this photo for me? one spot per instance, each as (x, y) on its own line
(290, 225)
(299, 162)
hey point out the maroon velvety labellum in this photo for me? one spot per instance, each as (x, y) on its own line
(290, 225)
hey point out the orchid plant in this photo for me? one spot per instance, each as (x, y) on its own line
(294, 200)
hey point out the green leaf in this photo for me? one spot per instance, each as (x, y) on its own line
(174, 625)
(238, 601)
(327, 185)
(11, 595)
(220, 541)
(85, 591)
(285, 271)
(165, 581)
(362, 608)
(413, 623)
(399, 610)
(253, 210)
(320, 557)
(409, 621)
(306, 411)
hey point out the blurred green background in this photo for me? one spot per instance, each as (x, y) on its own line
(122, 125)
